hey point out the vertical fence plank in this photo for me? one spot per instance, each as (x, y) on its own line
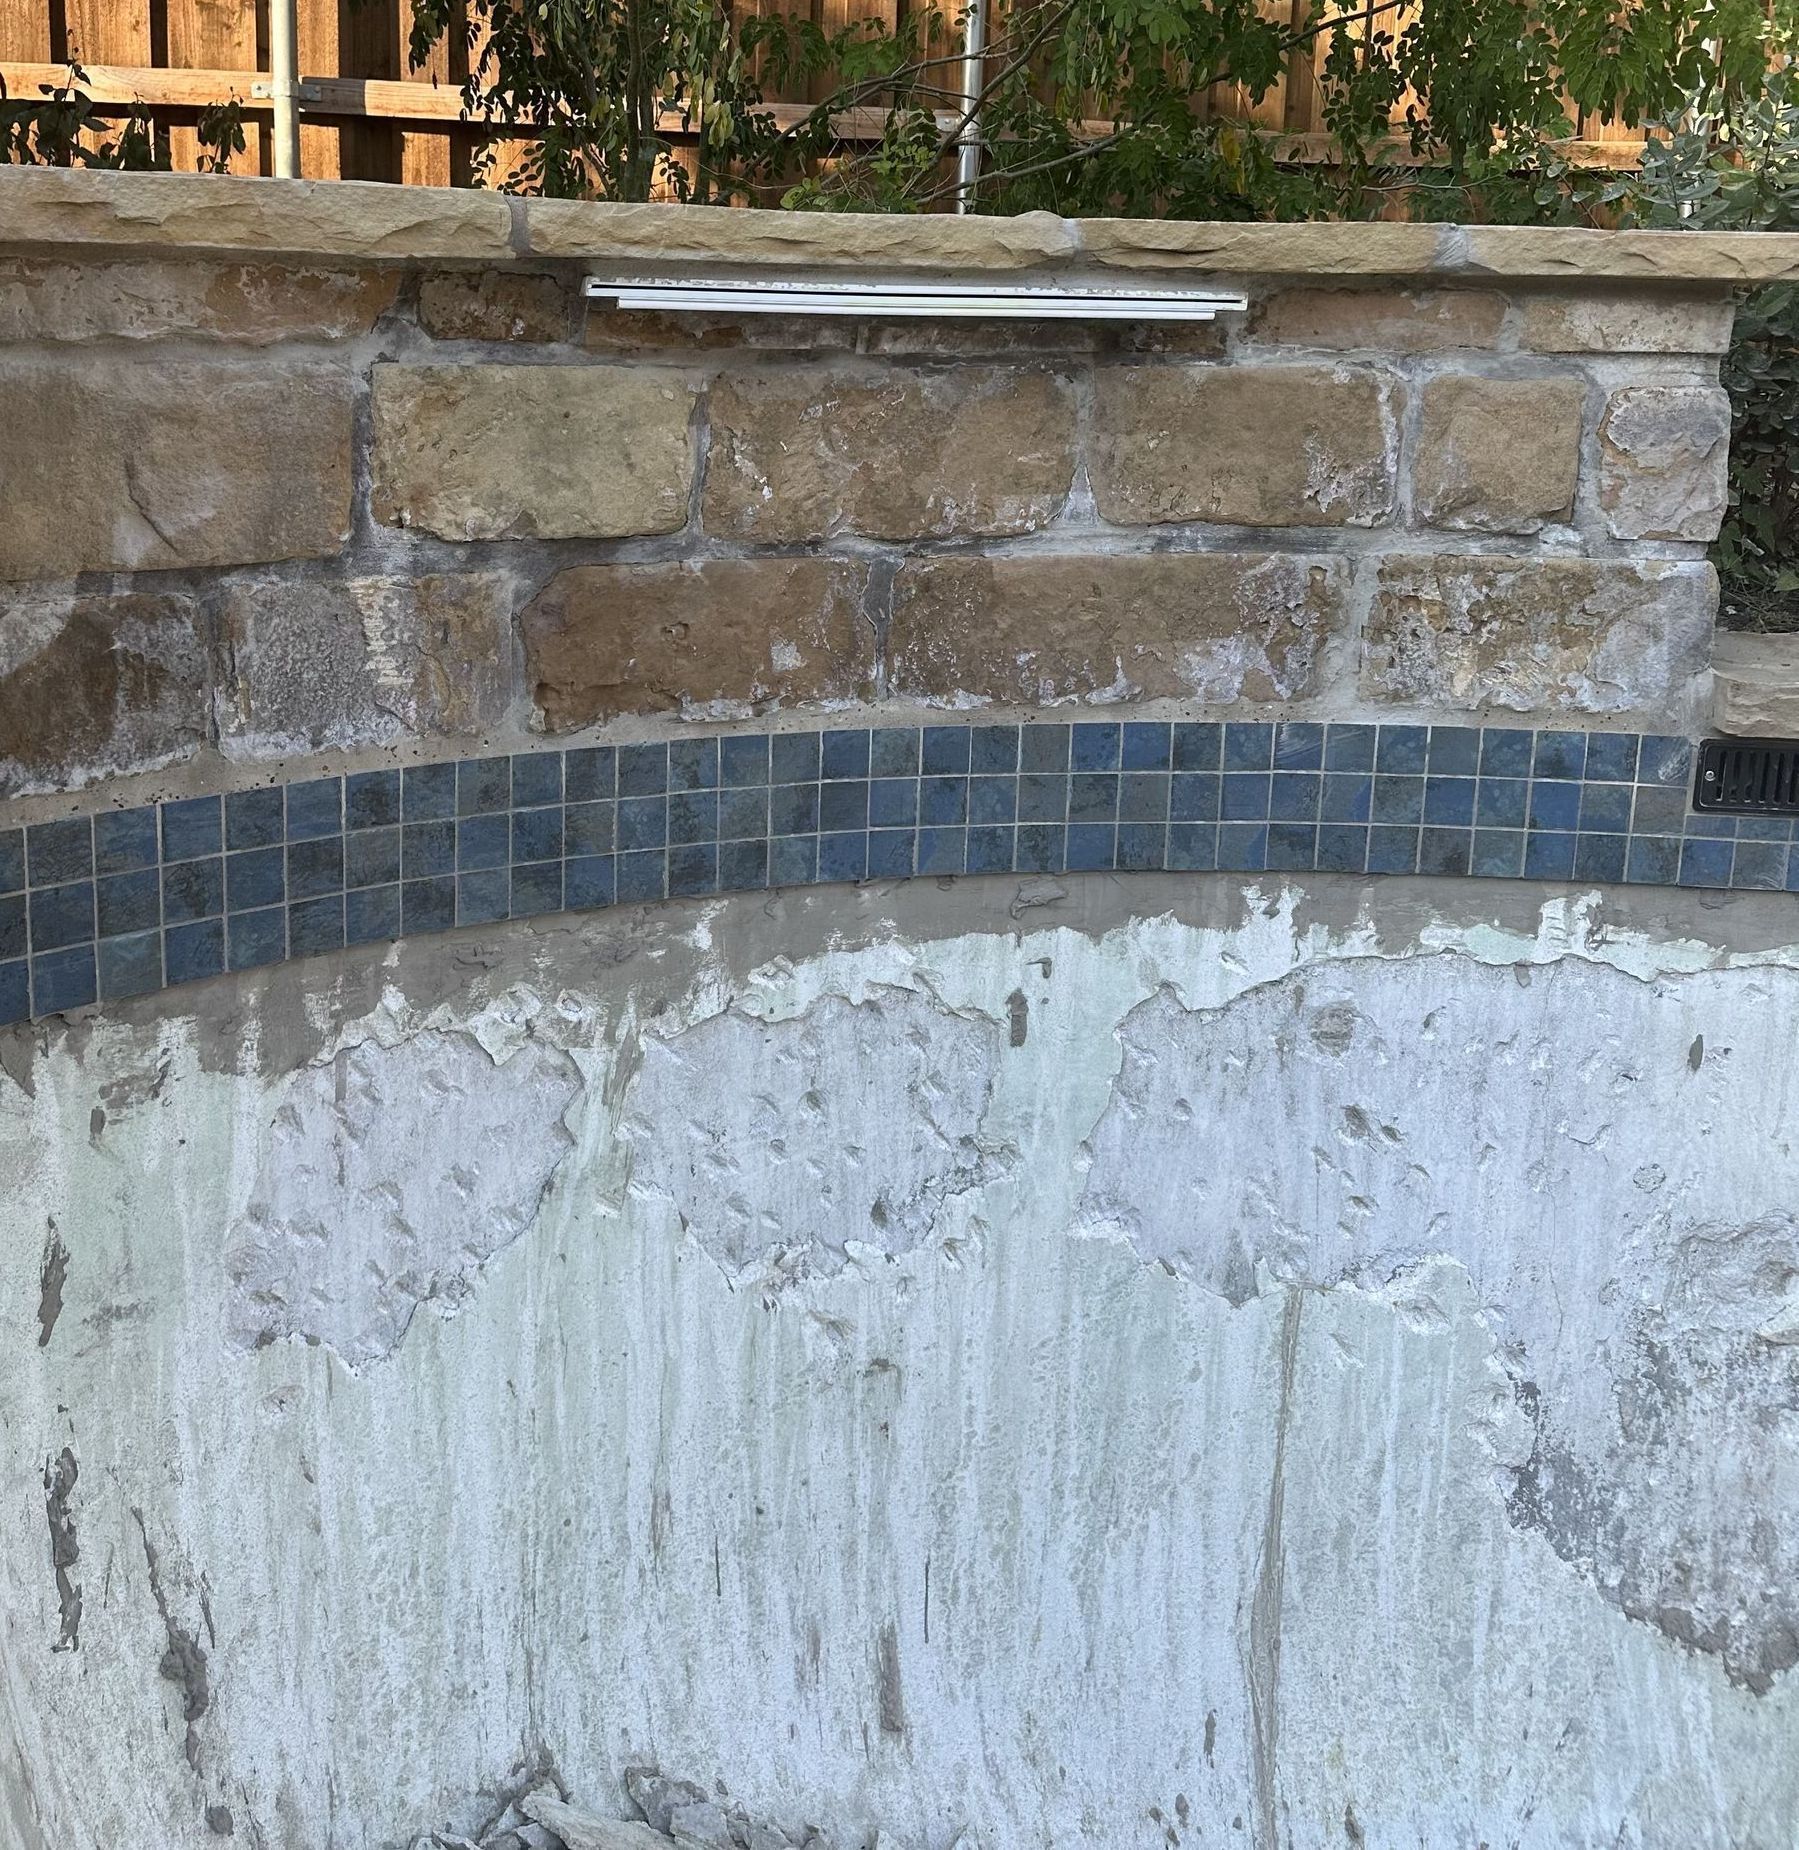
(435, 157)
(25, 31)
(218, 35)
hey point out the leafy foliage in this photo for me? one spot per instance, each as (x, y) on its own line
(62, 129)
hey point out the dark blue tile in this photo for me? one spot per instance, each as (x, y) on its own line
(1759, 865)
(1599, 857)
(1560, 754)
(1792, 884)
(1242, 847)
(989, 851)
(130, 966)
(743, 866)
(1664, 760)
(1045, 747)
(314, 926)
(125, 839)
(641, 876)
(1192, 846)
(1658, 811)
(316, 808)
(63, 980)
(843, 856)
(1654, 860)
(372, 857)
(892, 803)
(940, 851)
(1143, 797)
(256, 818)
(1299, 746)
(255, 939)
(1342, 848)
(1346, 797)
(793, 860)
(1197, 747)
(1142, 847)
(1248, 747)
(1095, 745)
(1506, 751)
(994, 800)
(693, 870)
(1091, 846)
(590, 772)
(843, 806)
(843, 751)
(1043, 796)
(1454, 751)
(256, 877)
(1292, 846)
(1398, 800)
(945, 751)
(1764, 828)
(1147, 746)
(794, 758)
(1555, 806)
(587, 827)
(893, 751)
(1611, 757)
(1294, 796)
(1392, 849)
(642, 824)
(482, 898)
(1549, 855)
(484, 785)
(692, 765)
(190, 952)
(1403, 751)
(1092, 797)
(642, 770)
(428, 848)
(316, 867)
(793, 809)
(993, 751)
(1041, 848)
(428, 792)
(193, 890)
(372, 915)
(536, 779)
(1349, 747)
(537, 833)
(1706, 863)
(1193, 797)
(372, 799)
(12, 860)
(127, 903)
(15, 993)
(428, 905)
(1605, 809)
(1243, 796)
(588, 881)
(942, 801)
(1444, 851)
(890, 853)
(743, 762)
(1719, 828)
(743, 813)
(1449, 802)
(14, 939)
(191, 827)
(1498, 854)
(57, 852)
(1502, 803)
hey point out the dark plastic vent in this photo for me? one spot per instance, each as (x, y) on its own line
(1758, 777)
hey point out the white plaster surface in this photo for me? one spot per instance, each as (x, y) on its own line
(1308, 1381)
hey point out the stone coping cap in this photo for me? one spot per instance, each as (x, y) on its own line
(50, 208)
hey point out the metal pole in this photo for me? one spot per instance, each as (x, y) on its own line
(968, 143)
(284, 87)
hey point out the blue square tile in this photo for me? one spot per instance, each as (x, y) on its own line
(1092, 797)
(191, 827)
(536, 889)
(743, 866)
(692, 765)
(1560, 754)
(1197, 747)
(1292, 846)
(1444, 851)
(893, 751)
(130, 966)
(743, 813)
(1142, 847)
(193, 890)
(1040, 848)
(842, 806)
(794, 758)
(484, 897)
(942, 801)
(125, 839)
(1248, 746)
(1045, 747)
(12, 860)
(1091, 846)
(642, 770)
(14, 939)
(1506, 751)
(1143, 797)
(1611, 757)
(1398, 800)
(1348, 747)
(1342, 848)
(57, 852)
(1599, 857)
(642, 824)
(1764, 828)
(256, 818)
(1502, 803)
(1392, 849)
(590, 772)
(314, 926)
(1043, 796)
(1294, 796)
(316, 808)
(890, 853)
(993, 751)
(372, 799)
(945, 751)
(1653, 860)
(1403, 751)
(1193, 846)
(843, 751)
(537, 778)
(843, 856)
(1449, 802)
(255, 877)
(1662, 759)
(255, 939)
(1147, 746)
(190, 952)
(1193, 797)
(641, 876)
(63, 980)
(372, 915)
(372, 857)
(1096, 745)
(428, 848)
(428, 905)
(989, 851)
(743, 762)
(1242, 847)
(1706, 863)
(1761, 866)
(793, 809)
(692, 817)
(1720, 828)
(427, 792)
(1454, 751)
(483, 785)
(1346, 797)
(1658, 811)
(1549, 855)
(692, 870)
(1299, 746)
(588, 882)
(128, 902)
(994, 800)
(1243, 796)
(1498, 854)
(892, 803)
(15, 993)
(587, 828)
(1605, 809)
(1555, 806)
(941, 851)
(482, 842)
(315, 867)
(793, 860)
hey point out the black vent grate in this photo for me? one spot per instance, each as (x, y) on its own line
(1758, 777)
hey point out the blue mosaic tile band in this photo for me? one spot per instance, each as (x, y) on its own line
(128, 901)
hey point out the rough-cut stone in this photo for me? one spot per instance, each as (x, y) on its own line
(1498, 455)
(1263, 249)
(1616, 638)
(118, 464)
(1755, 686)
(585, 1830)
(94, 685)
(1392, 320)
(364, 661)
(1664, 462)
(1646, 322)
(531, 452)
(1215, 627)
(1262, 446)
(719, 639)
(1558, 252)
(633, 330)
(802, 456)
(494, 305)
(43, 299)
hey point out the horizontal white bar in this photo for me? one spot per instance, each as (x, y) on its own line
(880, 300)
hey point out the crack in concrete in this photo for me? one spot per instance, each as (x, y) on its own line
(51, 1278)
(184, 1662)
(60, 1474)
(1265, 1607)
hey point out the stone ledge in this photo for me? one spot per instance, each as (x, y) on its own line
(1755, 686)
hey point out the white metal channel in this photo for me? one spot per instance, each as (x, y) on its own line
(898, 300)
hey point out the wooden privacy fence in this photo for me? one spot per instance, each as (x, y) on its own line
(366, 116)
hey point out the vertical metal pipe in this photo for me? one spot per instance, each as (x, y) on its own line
(968, 144)
(284, 86)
